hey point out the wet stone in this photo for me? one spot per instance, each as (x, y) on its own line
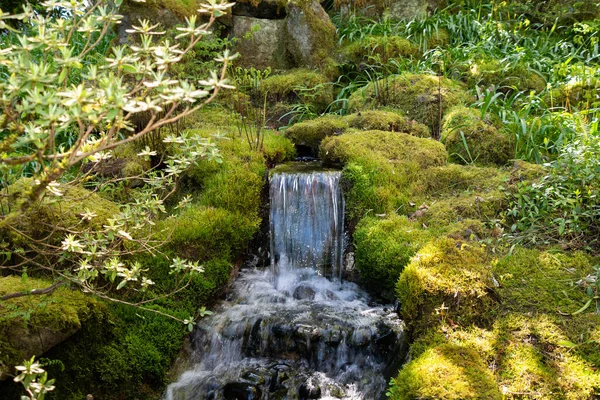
(253, 377)
(241, 391)
(304, 292)
(308, 391)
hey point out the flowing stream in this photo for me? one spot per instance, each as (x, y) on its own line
(296, 330)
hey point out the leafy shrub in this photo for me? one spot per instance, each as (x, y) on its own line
(564, 206)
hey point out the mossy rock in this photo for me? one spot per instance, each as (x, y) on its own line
(383, 248)
(424, 98)
(472, 139)
(453, 179)
(380, 49)
(32, 325)
(491, 72)
(298, 86)
(379, 167)
(311, 133)
(577, 95)
(390, 121)
(560, 12)
(445, 372)
(310, 35)
(523, 171)
(483, 206)
(446, 279)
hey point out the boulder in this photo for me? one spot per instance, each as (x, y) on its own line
(309, 33)
(265, 9)
(261, 43)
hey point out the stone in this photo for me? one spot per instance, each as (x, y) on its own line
(260, 42)
(310, 35)
(408, 9)
(241, 391)
(304, 292)
(265, 9)
(308, 390)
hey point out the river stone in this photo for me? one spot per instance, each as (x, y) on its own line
(265, 9)
(134, 12)
(263, 48)
(310, 35)
(241, 391)
(304, 292)
(308, 390)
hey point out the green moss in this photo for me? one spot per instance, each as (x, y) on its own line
(379, 166)
(446, 279)
(310, 133)
(383, 248)
(576, 95)
(454, 179)
(418, 96)
(523, 171)
(484, 206)
(471, 139)
(21, 319)
(386, 121)
(380, 49)
(181, 8)
(298, 86)
(491, 72)
(445, 372)
(322, 35)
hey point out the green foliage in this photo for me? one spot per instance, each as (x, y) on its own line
(471, 139)
(311, 133)
(424, 98)
(563, 206)
(383, 248)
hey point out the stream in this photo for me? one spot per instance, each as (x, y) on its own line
(296, 330)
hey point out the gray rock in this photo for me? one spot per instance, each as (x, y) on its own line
(265, 9)
(304, 292)
(263, 48)
(310, 35)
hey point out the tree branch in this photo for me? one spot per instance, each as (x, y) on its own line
(34, 292)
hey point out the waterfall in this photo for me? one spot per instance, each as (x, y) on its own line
(296, 330)
(307, 223)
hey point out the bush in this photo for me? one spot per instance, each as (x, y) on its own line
(383, 248)
(564, 206)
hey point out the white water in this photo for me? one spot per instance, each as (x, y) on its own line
(290, 332)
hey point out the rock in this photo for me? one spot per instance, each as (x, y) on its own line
(265, 9)
(241, 391)
(310, 35)
(133, 12)
(260, 47)
(308, 390)
(408, 9)
(304, 292)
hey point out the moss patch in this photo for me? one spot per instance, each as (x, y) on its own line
(379, 166)
(446, 280)
(491, 72)
(419, 97)
(380, 49)
(298, 86)
(472, 139)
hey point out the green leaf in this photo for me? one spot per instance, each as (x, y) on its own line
(130, 69)
(112, 114)
(566, 343)
(121, 285)
(63, 75)
(585, 307)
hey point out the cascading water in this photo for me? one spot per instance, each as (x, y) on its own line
(290, 332)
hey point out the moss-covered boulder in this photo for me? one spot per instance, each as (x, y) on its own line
(579, 94)
(298, 86)
(453, 180)
(311, 133)
(446, 280)
(260, 42)
(382, 120)
(491, 72)
(446, 371)
(424, 98)
(383, 248)
(32, 325)
(380, 49)
(309, 34)
(470, 139)
(379, 167)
